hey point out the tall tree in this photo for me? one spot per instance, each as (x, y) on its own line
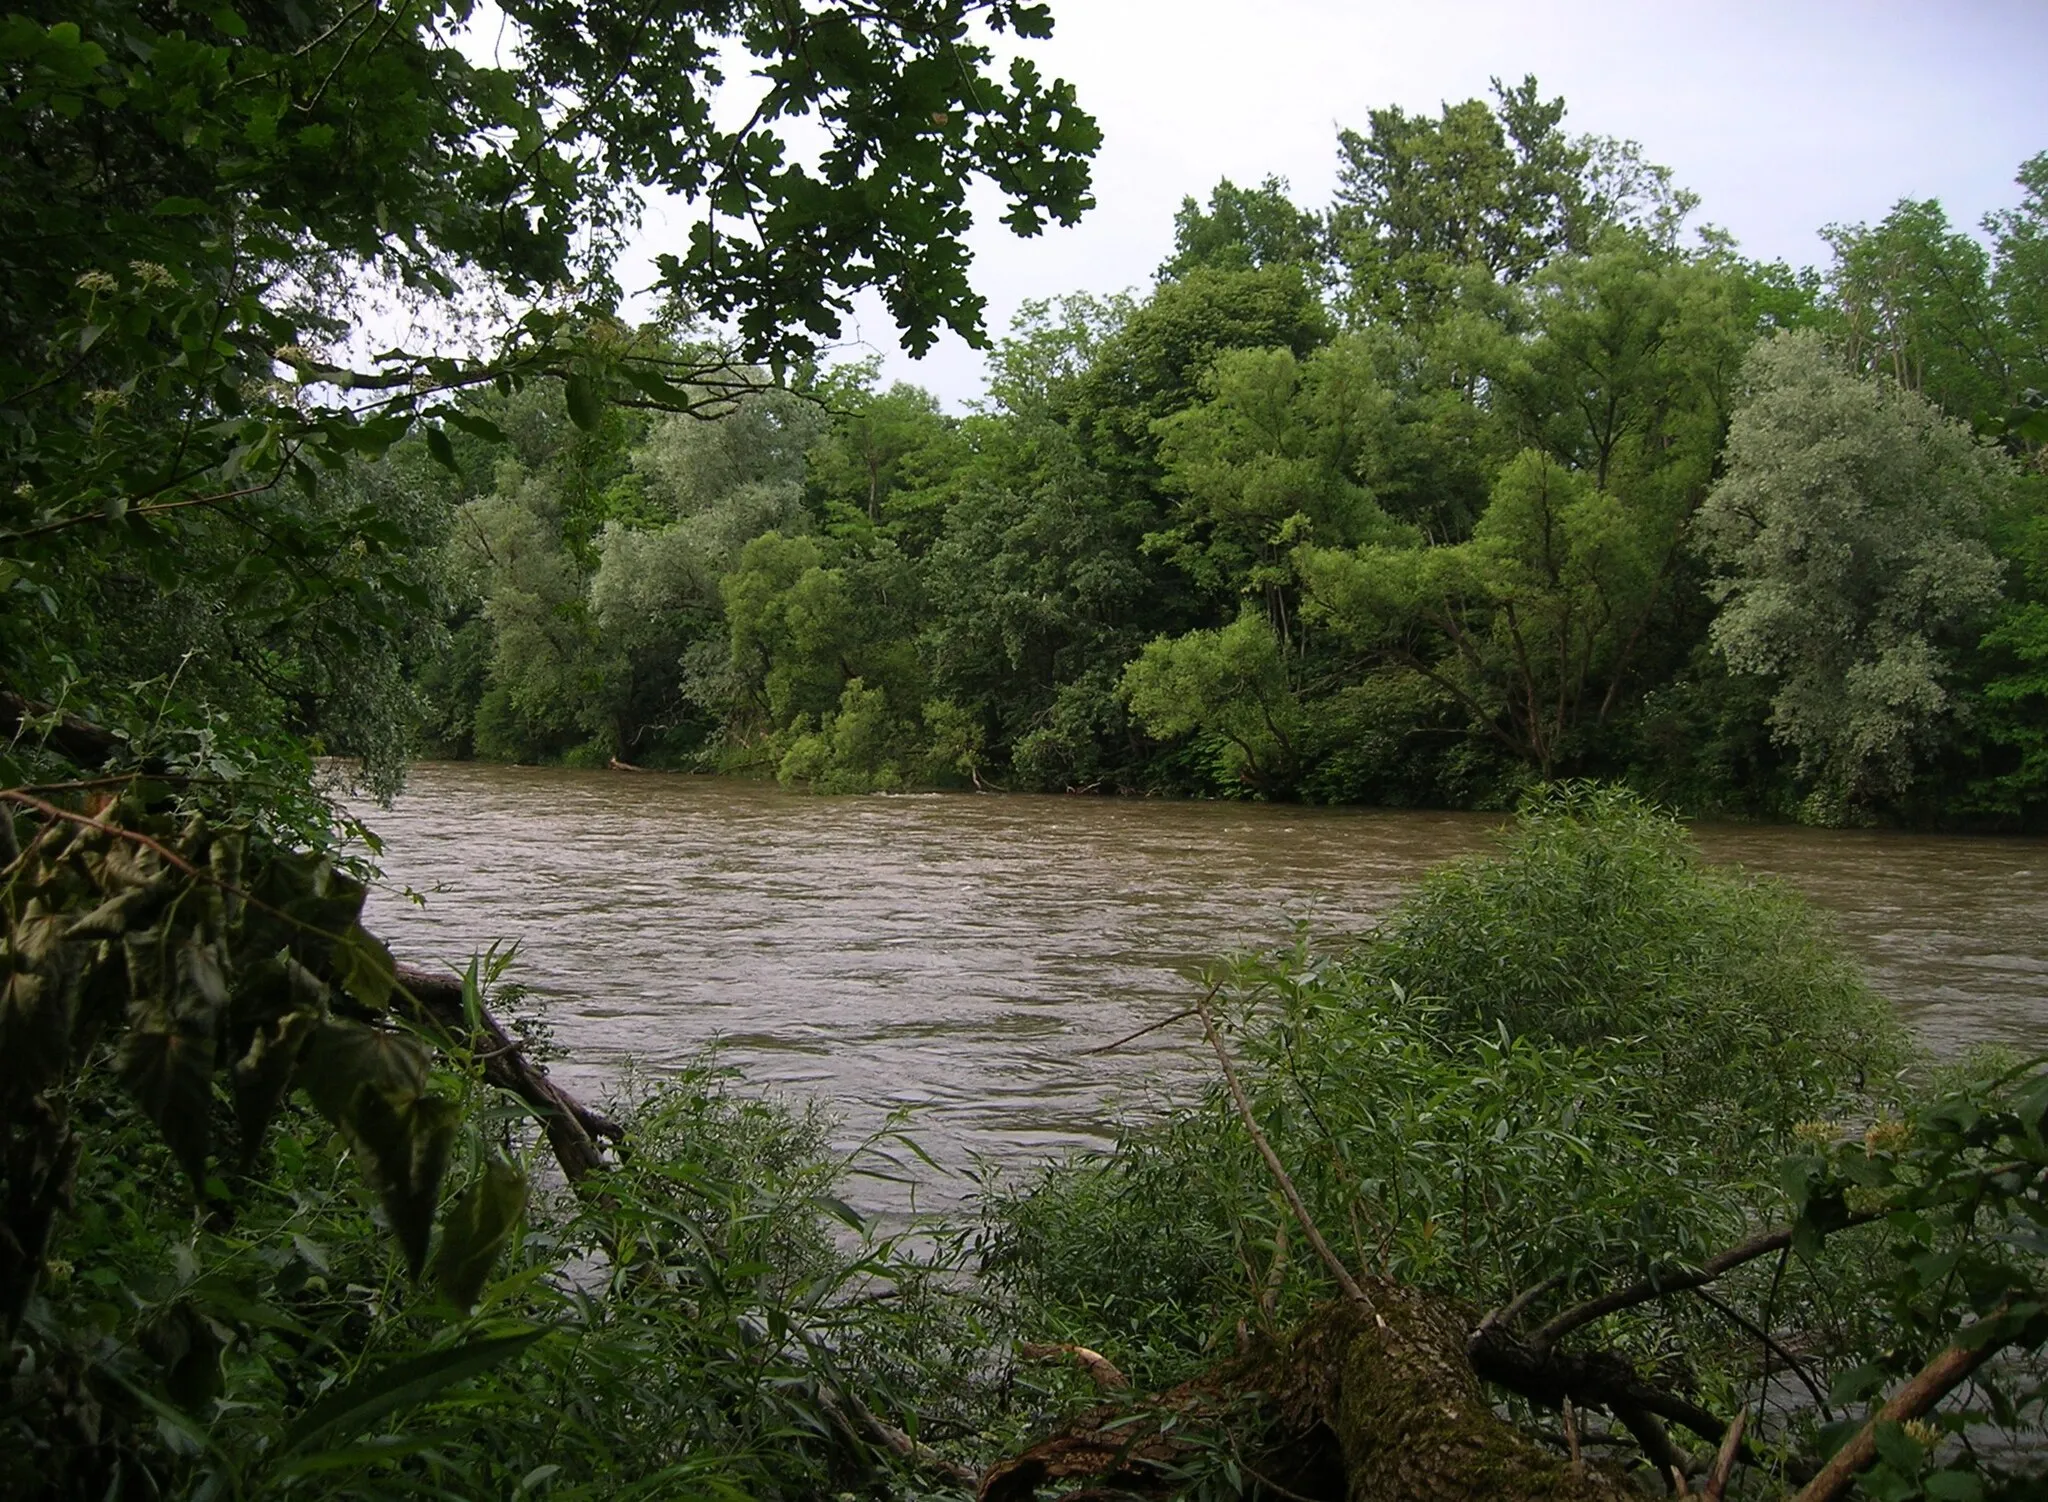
(199, 199)
(1532, 625)
(1498, 188)
(1912, 301)
(1244, 228)
(1847, 535)
(1280, 452)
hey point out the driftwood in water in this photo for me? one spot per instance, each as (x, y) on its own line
(574, 1130)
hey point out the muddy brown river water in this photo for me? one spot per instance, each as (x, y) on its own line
(957, 955)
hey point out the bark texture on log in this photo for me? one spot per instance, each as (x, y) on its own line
(1372, 1401)
(573, 1129)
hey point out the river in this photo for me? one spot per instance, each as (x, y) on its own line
(958, 955)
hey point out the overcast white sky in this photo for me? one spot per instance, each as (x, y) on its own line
(1784, 117)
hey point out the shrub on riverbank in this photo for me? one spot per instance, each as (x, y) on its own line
(715, 1323)
(1582, 1053)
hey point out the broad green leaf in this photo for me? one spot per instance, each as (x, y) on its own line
(475, 1230)
(35, 1029)
(1953, 1486)
(342, 1056)
(348, 1411)
(586, 409)
(1856, 1383)
(264, 1074)
(402, 1145)
(476, 427)
(169, 1071)
(365, 967)
(1900, 1450)
(442, 450)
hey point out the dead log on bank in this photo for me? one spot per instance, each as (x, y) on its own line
(1373, 1400)
(574, 1130)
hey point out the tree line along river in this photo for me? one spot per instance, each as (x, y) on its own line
(959, 955)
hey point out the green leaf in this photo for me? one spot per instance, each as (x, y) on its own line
(1900, 1450)
(1856, 1383)
(475, 1230)
(371, 1452)
(402, 1145)
(1953, 1486)
(586, 409)
(365, 968)
(184, 1342)
(476, 427)
(348, 1411)
(169, 1071)
(342, 1057)
(178, 208)
(442, 450)
(264, 1073)
(2030, 1103)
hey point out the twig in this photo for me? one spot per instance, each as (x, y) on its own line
(1724, 1462)
(1151, 1027)
(1511, 1311)
(1666, 1459)
(1273, 1164)
(1663, 1282)
(1775, 1347)
(1571, 1437)
(1933, 1382)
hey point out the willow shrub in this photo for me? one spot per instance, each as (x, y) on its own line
(1578, 1054)
(1599, 924)
(712, 1322)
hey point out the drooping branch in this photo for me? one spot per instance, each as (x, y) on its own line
(1665, 1281)
(1337, 1270)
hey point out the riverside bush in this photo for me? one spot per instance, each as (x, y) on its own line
(1581, 1053)
(716, 1323)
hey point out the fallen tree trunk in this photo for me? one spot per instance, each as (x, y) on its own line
(1373, 1400)
(573, 1129)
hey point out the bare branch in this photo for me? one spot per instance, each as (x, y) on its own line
(1338, 1271)
(1665, 1281)
(1934, 1381)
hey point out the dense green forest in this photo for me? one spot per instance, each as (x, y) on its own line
(1593, 1171)
(1485, 473)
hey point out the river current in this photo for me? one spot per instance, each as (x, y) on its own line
(959, 955)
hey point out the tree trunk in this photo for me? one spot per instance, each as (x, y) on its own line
(1372, 1401)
